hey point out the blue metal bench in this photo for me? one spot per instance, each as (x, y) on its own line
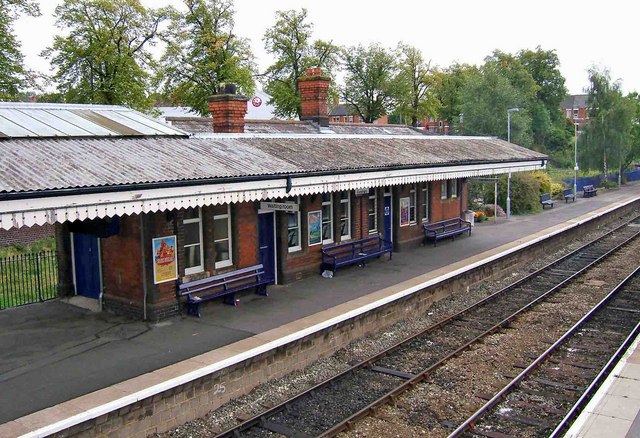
(546, 200)
(568, 194)
(223, 285)
(443, 229)
(589, 191)
(354, 252)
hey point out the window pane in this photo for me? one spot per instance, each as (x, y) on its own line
(220, 229)
(344, 195)
(294, 237)
(326, 213)
(192, 256)
(344, 227)
(326, 231)
(222, 251)
(344, 210)
(220, 209)
(292, 219)
(326, 197)
(192, 233)
(372, 222)
(191, 213)
(372, 206)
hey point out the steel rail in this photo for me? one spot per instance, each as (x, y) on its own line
(364, 412)
(260, 418)
(468, 424)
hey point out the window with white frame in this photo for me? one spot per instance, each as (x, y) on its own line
(293, 226)
(222, 235)
(575, 113)
(193, 254)
(453, 188)
(327, 218)
(345, 215)
(425, 202)
(372, 211)
(443, 190)
(568, 113)
(412, 205)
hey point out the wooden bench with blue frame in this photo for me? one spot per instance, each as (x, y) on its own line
(354, 252)
(223, 285)
(589, 191)
(546, 201)
(446, 228)
(568, 194)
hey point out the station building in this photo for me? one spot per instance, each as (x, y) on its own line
(141, 207)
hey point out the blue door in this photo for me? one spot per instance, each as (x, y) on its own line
(388, 230)
(87, 265)
(267, 245)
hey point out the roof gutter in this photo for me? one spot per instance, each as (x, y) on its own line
(47, 193)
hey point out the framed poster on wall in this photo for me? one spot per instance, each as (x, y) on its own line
(315, 227)
(165, 263)
(404, 212)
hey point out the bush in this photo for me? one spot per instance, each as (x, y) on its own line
(607, 184)
(544, 180)
(525, 193)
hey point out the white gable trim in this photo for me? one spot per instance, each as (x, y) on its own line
(39, 211)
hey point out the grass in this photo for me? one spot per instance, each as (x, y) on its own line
(28, 273)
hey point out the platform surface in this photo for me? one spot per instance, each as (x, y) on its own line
(55, 355)
(614, 411)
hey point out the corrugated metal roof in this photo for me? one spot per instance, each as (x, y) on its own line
(198, 125)
(204, 125)
(27, 120)
(40, 164)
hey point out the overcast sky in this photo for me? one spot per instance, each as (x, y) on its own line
(583, 33)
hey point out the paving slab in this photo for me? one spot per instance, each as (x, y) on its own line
(54, 352)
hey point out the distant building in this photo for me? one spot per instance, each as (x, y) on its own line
(435, 125)
(574, 107)
(345, 113)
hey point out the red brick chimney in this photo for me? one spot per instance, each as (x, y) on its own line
(228, 110)
(314, 88)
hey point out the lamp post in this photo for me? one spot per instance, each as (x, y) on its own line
(509, 111)
(575, 155)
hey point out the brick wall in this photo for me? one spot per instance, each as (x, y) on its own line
(25, 235)
(178, 405)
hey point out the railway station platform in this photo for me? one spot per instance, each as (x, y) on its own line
(614, 411)
(61, 365)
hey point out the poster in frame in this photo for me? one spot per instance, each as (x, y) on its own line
(315, 227)
(165, 263)
(404, 212)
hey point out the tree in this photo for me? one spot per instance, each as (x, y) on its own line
(449, 83)
(370, 82)
(417, 81)
(104, 58)
(13, 75)
(607, 137)
(203, 52)
(544, 67)
(634, 152)
(289, 41)
(485, 99)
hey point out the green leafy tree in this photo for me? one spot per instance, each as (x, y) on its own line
(449, 83)
(607, 138)
(416, 81)
(104, 58)
(290, 42)
(485, 99)
(13, 75)
(544, 67)
(634, 152)
(203, 52)
(371, 85)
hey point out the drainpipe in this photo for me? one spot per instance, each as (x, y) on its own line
(144, 269)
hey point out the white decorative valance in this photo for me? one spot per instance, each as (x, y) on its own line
(39, 211)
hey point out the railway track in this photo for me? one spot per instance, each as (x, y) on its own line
(543, 399)
(333, 405)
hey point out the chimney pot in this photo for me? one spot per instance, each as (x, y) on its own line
(314, 90)
(228, 109)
